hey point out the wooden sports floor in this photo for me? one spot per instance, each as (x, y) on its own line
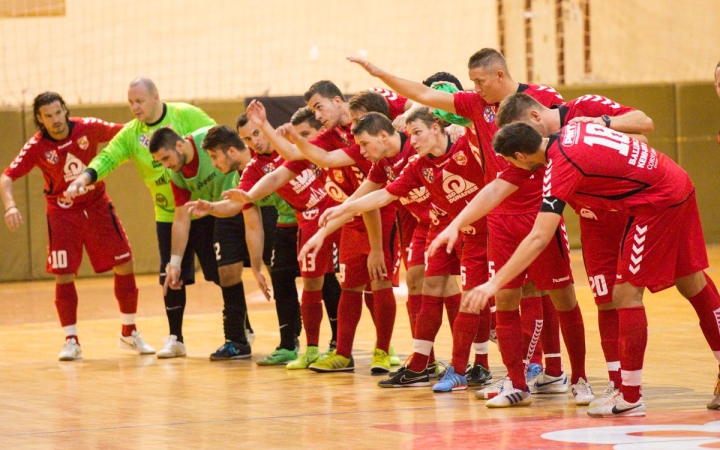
(113, 399)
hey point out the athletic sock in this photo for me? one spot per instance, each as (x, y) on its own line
(66, 302)
(531, 317)
(349, 313)
(174, 310)
(550, 337)
(481, 342)
(385, 310)
(234, 313)
(609, 334)
(427, 326)
(452, 307)
(463, 333)
(312, 313)
(707, 307)
(573, 331)
(331, 297)
(509, 334)
(414, 303)
(633, 328)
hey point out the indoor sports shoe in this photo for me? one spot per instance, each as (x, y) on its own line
(231, 350)
(334, 363)
(405, 377)
(715, 403)
(394, 358)
(534, 369)
(70, 351)
(618, 407)
(582, 392)
(509, 396)
(135, 343)
(433, 369)
(606, 396)
(331, 348)
(546, 384)
(380, 362)
(450, 382)
(172, 348)
(478, 376)
(303, 362)
(492, 390)
(280, 356)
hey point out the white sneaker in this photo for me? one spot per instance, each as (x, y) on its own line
(509, 396)
(582, 392)
(617, 407)
(492, 390)
(71, 351)
(546, 384)
(250, 336)
(172, 348)
(605, 397)
(136, 343)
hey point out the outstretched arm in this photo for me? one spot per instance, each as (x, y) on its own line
(223, 208)
(13, 218)
(256, 114)
(322, 158)
(635, 122)
(266, 186)
(413, 90)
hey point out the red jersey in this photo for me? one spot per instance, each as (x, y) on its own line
(305, 193)
(475, 108)
(61, 162)
(598, 167)
(396, 102)
(448, 178)
(342, 181)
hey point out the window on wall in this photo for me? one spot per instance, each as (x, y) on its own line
(32, 8)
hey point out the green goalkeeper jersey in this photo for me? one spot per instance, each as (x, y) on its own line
(131, 143)
(286, 213)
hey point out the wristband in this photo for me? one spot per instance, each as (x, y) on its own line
(175, 260)
(11, 208)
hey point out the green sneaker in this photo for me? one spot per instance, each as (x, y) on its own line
(279, 357)
(333, 363)
(394, 358)
(380, 362)
(311, 355)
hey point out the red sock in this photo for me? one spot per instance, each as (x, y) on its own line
(509, 334)
(311, 311)
(349, 312)
(573, 331)
(370, 303)
(633, 328)
(126, 292)
(452, 306)
(385, 310)
(482, 338)
(492, 313)
(66, 302)
(609, 334)
(707, 306)
(414, 303)
(428, 324)
(464, 331)
(531, 316)
(550, 337)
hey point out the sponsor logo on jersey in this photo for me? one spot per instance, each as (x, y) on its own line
(207, 180)
(144, 140)
(334, 191)
(310, 214)
(489, 114)
(560, 280)
(399, 163)
(586, 213)
(161, 201)
(52, 157)
(457, 187)
(338, 175)
(417, 195)
(163, 180)
(460, 158)
(436, 212)
(469, 230)
(268, 168)
(64, 203)
(318, 171)
(428, 174)
(73, 167)
(389, 173)
(302, 181)
(83, 143)
(571, 134)
(345, 139)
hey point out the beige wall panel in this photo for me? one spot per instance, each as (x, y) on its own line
(224, 112)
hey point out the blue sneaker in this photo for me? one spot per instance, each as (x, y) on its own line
(451, 381)
(533, 371)
(231, 350)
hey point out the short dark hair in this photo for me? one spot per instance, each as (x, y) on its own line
(422, 114)
(163, 138)
(222, 137)
(373, 123)
(516, 137)
(369, 101)
(241, 121)
(515, 107)
(325, 88)
(442, 76)
(485, 58)
(43, 99)
(305, 114)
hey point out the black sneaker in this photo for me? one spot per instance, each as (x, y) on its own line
(231, 350)
(433, 369)
(478, 376)
(405, 377)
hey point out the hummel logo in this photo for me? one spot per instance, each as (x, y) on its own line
(615, 409)
(551, 203)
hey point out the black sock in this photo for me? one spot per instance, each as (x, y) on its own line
(174, 309)
(234, 313)
(286, 305)
(331, 297)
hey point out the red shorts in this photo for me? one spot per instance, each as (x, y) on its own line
(355, 248)
(415, 252)
(96, 227)
(407, 224)
(550, 270)
(441, 263)
(322, 263)
(473, 259)
(601, 233)
(658, 249)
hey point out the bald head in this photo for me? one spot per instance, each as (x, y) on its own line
(144, 100)
(147, 83)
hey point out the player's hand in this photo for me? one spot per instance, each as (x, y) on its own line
(585, 119)
(237, 196)
(199, 208)
(455, 132)
(367, 65)
(400, 122)
(13, 218)
(256, 113)
(312, 246)
(262, 284)
(447, 239)
(376, 265)
(288, 132)
(172, 279)
(330, 214)
(477, 298)
(77, 187)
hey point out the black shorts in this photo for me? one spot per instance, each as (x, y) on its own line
(200, 243)
(229, 241)
(284, 252)
(269, 219)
